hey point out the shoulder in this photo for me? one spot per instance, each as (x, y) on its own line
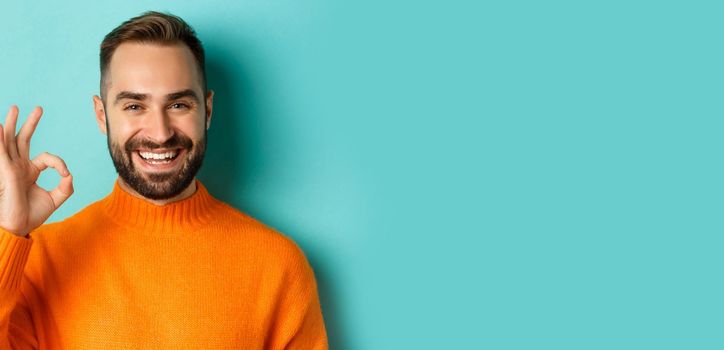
(52, 236)
(267, 241)
(89, 216)
(64, 241)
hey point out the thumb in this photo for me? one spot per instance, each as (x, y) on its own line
(61, 193)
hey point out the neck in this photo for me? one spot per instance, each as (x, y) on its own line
(133, 211)
(187, 192)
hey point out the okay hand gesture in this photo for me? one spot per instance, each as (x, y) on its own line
(23, 204)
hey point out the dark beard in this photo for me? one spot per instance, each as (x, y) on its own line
(162, 185)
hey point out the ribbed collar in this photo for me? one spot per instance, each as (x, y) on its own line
(128, 210)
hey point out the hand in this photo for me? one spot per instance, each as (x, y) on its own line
(23, 204)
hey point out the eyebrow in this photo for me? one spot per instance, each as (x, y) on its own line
(142, 97)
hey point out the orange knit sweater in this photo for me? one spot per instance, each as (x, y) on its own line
(126, 274)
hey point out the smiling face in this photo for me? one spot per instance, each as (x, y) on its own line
(156, 116)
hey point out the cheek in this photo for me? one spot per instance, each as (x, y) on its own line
(119, 135)
(192, 129)
(121, 128)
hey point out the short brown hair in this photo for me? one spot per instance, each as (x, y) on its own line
(152, 27)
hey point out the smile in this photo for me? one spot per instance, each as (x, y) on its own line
(158, 158)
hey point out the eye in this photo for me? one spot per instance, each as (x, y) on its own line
(180, 105)
(132, 107)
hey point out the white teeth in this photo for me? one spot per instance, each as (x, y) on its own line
(151, 155)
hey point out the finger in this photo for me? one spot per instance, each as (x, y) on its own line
(3, 151)
(26, 132)
(65, 188)
(11, 120)
(45, 160)
(61, 193)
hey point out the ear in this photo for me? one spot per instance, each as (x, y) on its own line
(99, 109)
(209, 107)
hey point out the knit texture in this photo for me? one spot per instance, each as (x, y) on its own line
(124, 273)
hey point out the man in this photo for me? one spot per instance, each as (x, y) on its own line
(158, 263)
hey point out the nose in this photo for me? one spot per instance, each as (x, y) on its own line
(158, 127)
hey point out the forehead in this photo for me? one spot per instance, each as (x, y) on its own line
(152, 68)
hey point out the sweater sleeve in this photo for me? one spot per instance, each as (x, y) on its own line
(299, 323)
(16, 327)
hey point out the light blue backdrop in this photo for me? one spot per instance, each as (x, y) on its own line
(461, 175)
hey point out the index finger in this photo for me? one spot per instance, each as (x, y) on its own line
(26, 132)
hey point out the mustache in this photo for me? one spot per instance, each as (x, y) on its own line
(176, 141)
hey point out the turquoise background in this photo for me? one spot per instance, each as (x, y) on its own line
(461, 175)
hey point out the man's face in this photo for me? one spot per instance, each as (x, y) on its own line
(156, 116)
